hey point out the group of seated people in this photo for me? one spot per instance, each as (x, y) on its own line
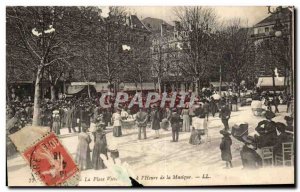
(268, 134)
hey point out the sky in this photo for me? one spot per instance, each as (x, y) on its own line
(252, 14)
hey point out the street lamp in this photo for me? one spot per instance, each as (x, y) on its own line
(278, 27)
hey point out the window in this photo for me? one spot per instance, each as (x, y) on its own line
(266, 29)
(175, 34)
(255, 31)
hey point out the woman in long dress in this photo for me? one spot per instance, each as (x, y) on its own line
(83, 157)
(100, 147)
(116, 119)
(56, 122)
(155, 124)
(186, 120)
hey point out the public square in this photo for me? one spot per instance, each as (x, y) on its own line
(214, 93)
(162, 156)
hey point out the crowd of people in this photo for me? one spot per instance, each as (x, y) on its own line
(83, 115)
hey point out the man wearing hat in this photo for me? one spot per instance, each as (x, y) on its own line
(225, 115)
(283, 137)
(225, 147)
(175, 124)
(267, 131)
(250, 158)
(141, 120)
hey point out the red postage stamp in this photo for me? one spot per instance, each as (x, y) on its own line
(50, 161)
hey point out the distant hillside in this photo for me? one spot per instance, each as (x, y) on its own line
(154, 24)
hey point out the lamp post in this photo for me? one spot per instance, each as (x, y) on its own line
(278, 27)
(278, 33)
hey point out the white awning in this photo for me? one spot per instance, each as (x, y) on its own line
(101, 87)
(217, 84)
(268, 81)
(132, 86)
(82, 83)
(73, 89)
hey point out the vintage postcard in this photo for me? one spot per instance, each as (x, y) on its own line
(150, 96)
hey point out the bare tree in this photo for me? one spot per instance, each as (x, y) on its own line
(199, 22)
(47, 37)
(238, 57)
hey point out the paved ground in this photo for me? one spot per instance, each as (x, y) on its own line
(160, 157)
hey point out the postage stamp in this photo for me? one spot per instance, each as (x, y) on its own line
(50, 162)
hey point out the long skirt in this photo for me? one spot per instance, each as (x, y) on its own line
(83, 158)
(186, 123)
(117, 131)
(97, 162)
(56, 128)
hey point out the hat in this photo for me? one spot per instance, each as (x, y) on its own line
(269, 115)
(288, 118)
(248, 140)
(280, 127)
(223, 132)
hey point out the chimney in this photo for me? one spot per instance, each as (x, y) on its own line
(163, 28)
(176, 26)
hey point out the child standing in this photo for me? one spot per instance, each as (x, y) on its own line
(225, 148)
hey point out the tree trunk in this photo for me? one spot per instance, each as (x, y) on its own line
(220, 86)
(141, 83)
(52, 89)
(89, 91)
(37, 94)
(159, 85)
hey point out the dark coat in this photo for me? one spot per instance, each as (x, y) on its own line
(225, 148)
(199, 112)
(225, 112)
(267, 134)
(175, 121)
(213, 107)
(250, 159)
(206, 108)
(155, 116)
(141, 118)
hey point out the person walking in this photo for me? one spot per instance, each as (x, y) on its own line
(175, 124)
(83, 157)
(213, 107)
(225, 115)
(225, 148)
(186, 119)
(141, 119)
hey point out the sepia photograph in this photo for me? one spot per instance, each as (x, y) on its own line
(150, 96)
